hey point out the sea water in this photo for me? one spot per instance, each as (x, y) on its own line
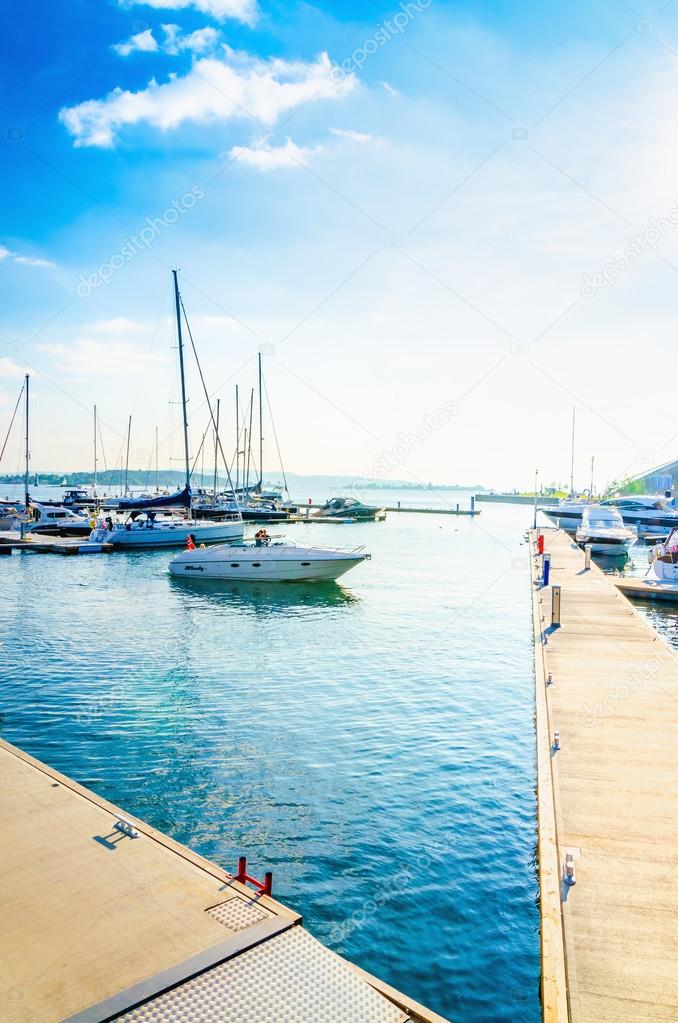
(371, 741)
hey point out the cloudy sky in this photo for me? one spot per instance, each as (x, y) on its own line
(444, 224)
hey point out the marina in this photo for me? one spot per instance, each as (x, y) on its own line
(346, 334)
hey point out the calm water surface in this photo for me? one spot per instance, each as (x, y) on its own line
(371, 741)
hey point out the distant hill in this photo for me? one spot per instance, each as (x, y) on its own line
(300, 485)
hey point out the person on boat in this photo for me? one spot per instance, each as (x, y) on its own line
(261, 538)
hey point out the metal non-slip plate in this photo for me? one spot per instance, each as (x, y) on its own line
(291, 978)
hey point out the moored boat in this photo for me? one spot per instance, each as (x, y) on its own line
(603, 530)
(350, 508)
(271, 562)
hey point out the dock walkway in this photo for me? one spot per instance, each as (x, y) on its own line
(607, 798)
(102, 918)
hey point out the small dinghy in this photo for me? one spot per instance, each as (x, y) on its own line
(265, 559)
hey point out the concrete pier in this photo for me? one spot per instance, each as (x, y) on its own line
(607, 799)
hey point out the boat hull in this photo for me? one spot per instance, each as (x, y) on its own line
(280, 563)
(169, 536)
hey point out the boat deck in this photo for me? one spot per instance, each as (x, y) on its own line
(608, 797)
(103, 917)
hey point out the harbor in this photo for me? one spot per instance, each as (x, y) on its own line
(338, 562)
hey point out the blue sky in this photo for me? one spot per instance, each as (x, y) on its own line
(425, 213)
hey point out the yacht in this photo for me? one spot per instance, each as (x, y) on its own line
(51, 520)
(265, 562)
(162, 529)
(350, 508)
(167, 520)
(603, 530)
(663, 560)
(645, 511)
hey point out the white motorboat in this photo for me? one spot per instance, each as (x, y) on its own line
(603, 530)
(648, 512)
(52, 521)
(567, 514)
(151, 529)
(271, 562)
(664, 561)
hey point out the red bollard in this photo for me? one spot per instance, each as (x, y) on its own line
(540, 544)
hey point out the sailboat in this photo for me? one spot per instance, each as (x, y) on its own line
(167, 520)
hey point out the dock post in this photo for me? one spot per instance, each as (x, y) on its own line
(587, 557)
(457, 507)
(473, 503)
(545, 569)
(555, 604)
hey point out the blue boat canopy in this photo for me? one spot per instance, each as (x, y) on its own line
(182, 499)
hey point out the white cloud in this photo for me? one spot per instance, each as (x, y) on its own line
(118, 325)
(87, 357)
(9, 368)
(390, 90)
(265, 157)
(143, 42)
(239, 86)
(6, 253)
(241, 10)
(354, 136)
(200, 41)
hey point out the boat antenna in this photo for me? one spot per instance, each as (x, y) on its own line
(178, 307)
(574, 409)
(261, 431)
(26, 494)
(216, 445)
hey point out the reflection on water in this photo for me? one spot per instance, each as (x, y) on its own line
(265, 597)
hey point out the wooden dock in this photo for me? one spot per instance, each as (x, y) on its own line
(607, 799)
(103, 917)
(35, 543)
(638, 589)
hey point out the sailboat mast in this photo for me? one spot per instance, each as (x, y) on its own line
(129, 434)
(95, 449)
(216, 445)
(177, 303)
(26, 494)
(237, 440)
(261, 431)
(156, 460)
(249, 442)
(574, 409)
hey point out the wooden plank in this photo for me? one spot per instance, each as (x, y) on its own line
(614, 701)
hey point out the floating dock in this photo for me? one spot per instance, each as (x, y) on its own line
(104, 918)
(36, 543)
(638, 589)
(470, 512)
(607, 768)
